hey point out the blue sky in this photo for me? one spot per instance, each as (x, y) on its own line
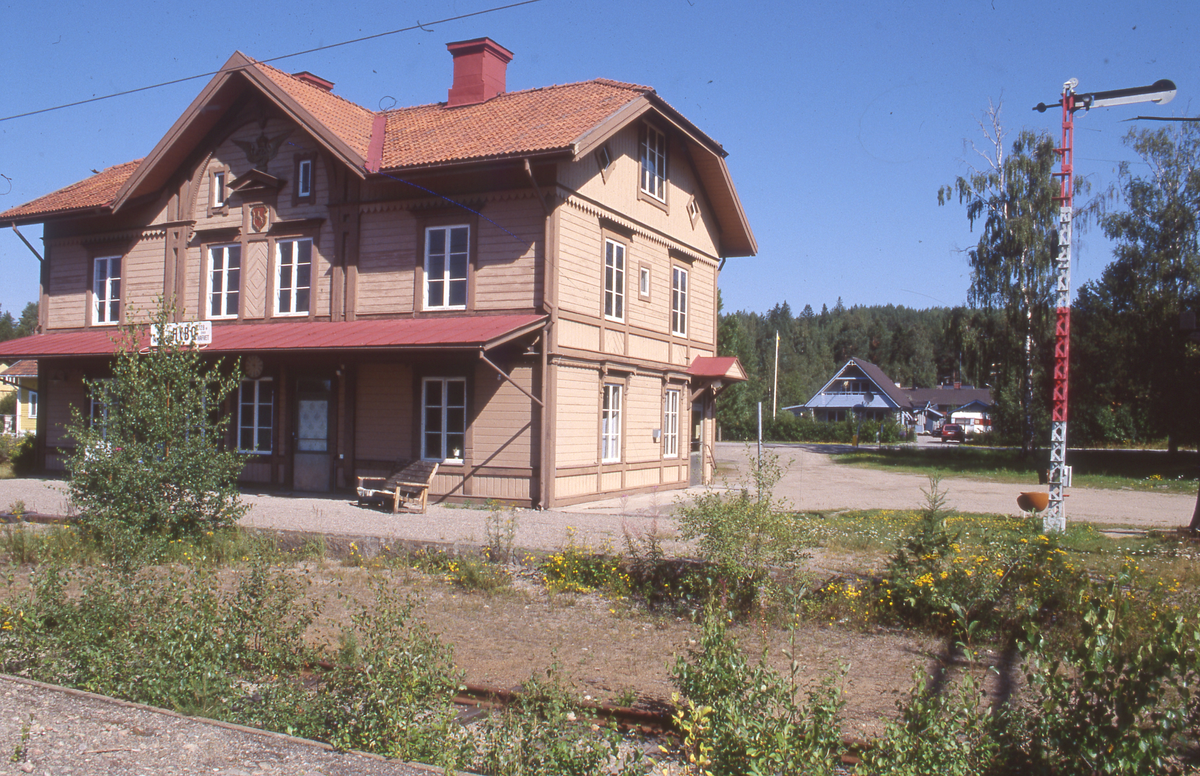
(841, 119)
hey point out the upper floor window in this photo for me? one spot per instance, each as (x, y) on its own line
(256, 403)
(224, 280)
(304, 178)
(614, 280)
(106, 290)
(610, 425)
(671, 424)
(654, 163)
(679, 303)
(447, 256)
(33, 403)
(293, 276)
(443, 418)
(218, 188)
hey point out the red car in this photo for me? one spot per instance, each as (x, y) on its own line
(953, 432)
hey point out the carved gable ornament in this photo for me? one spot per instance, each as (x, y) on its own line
(260, 151)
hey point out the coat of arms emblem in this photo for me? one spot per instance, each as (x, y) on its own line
(260, 217)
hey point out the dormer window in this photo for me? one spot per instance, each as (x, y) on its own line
(654, 163)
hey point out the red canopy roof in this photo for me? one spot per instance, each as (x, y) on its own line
(714, 367)
(461, 332)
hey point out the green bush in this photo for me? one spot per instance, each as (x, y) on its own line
(745, 534)
(1118, 697)
(741, 717)
(939, 732)
(151, 466)
(786, 427)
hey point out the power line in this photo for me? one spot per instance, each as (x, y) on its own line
(417, 26)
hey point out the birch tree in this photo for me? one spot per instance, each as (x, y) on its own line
(1010, 194)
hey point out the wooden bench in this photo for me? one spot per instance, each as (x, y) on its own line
(409, 483)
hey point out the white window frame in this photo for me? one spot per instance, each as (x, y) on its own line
(654, 163)
(445, 407)
(106, 291)
(614, 280)
(446, 278)
(610, 423)
(294, 288)
(644, 282)
(262, 419)
(218, 188)
(304, 181)
(671, 423)
(218, 281)
(679, 301)
(31, 400)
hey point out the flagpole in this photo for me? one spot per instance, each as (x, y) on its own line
(775, 389)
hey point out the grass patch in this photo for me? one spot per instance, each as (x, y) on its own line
(1143, 470)
(6, 471)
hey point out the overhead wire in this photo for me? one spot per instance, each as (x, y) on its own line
(418, 26)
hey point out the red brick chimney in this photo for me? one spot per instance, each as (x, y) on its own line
(480, 66)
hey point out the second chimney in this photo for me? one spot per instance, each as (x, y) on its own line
(480, 67)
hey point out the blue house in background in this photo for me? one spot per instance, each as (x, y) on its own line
(858, 387)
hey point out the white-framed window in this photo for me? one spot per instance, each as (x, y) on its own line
(33, 403)
(106, 290)
(679, 301)
(218, 189)
(304, 181)
(293, 276)
(644, 282)
(614, 280)
(256, 413)
(98, 412)
(447, 255)
(670, 433)
(443, 418)
(654, 163)
(224, 280)
(610, 424)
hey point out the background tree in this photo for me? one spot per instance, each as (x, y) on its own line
(149, 464)
(1012, 198)
(1140, 371)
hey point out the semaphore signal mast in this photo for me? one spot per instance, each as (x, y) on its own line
(1161, 92)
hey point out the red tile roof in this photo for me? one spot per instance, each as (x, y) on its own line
(21, 369)
(96, 191)
(465, 332)
(350, 122)
(523, 122)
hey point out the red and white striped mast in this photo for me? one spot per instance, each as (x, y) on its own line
(1161, 92)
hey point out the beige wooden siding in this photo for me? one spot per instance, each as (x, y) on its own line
(647, 348)
(386, 263)
(503, 488)
(69, 281)
(142, 277)
(577, 438)
(574, 485)
(702, 302)
(504, 419)
(580, 262)
(572, 334)
(383, 421)
(255, 266)
(614, 342)
(57, 404)
(322, 277)
(619, 189)
(654, 313)
(507, 271)
(643, 478)
(643, 414)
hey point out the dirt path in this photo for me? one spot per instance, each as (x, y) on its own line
(814, 482)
